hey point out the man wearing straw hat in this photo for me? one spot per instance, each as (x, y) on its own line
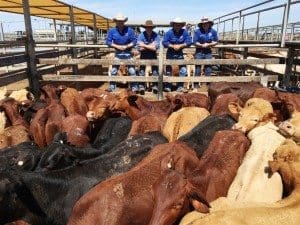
(148, 43)
(122, 39)
(204, 39)
(176, 39)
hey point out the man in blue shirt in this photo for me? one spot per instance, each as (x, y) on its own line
(204, 39)
(123, 39)
(148, 43)
(176, 39)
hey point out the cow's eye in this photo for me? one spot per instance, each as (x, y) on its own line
(256, 120)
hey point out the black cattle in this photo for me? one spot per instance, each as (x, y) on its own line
(47, 197)
(23, 156)
(113, 131)
(201, 135)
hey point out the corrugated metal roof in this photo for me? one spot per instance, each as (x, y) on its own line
(58, 10)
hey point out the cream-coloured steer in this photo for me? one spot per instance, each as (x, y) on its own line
(291, 127)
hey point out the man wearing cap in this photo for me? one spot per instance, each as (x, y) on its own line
(204, 39)
(148, 43)
(176, 39)
(122, 39)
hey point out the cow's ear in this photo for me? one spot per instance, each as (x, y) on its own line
(132, 100)
(274, 166)
(234, 108)
(270, 117)
(198, 201)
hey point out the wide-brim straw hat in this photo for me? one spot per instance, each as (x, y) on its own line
(178, 20)
(205, 20)
(148, 23)
(120, 17)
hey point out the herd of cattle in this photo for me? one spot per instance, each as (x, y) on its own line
(92, 157)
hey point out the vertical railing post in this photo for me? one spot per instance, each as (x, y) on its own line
(55, 30)
(288, 66)
(285, 21)
(239, 28)
(257, 26)
(224, 30)
(73, 39)
(33, 76)
(160, 71)
(95, 38)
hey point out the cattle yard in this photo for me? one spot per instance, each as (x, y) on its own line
(72, 152)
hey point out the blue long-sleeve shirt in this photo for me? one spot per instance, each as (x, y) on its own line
(125, 37)
(205, 37)
(176, 38)
(147, 53)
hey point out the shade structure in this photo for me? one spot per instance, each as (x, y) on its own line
(58, 10)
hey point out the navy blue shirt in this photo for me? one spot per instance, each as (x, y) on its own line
(176, 38)
(121, 38)
(202, 37)
(147, 53)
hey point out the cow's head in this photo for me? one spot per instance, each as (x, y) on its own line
(174, 195)
(256, 112)
(291, 127)
(98, 108)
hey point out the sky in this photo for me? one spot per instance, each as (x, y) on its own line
(163, 11)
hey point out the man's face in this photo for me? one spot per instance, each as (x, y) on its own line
(205, 26)
(177, 26)
(149, 29)
(120, 23)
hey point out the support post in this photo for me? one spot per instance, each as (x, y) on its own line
(257, 26)
(55, 30)
(160, 71)
(238, 29)
(33, 76)
(231, 35)
(224, 30)
(2, 32)
(95, 38)
(288, 66)
(243, 27)
(285, 21)
(245, 56)
(73, 39)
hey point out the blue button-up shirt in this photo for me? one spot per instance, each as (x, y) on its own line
(176, 38)
(143, 37)
(202, 37)
(121, 38)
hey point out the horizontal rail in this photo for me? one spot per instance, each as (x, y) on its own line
(156, 62)
(192, 46)
(99, 78)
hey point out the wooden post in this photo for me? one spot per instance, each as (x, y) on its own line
(243, 27)
(2, 32)
(224, 30)
(73, 39)
(160, 71)
(95, 38)
(245, 56)
(33, 76)
(239, 28)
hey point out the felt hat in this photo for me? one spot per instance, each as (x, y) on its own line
(120, 17)
(178, 20)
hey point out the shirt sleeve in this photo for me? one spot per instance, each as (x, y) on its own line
(132, 37)
(215, 36)
(195, 37)
(166, 40)
(109, 38)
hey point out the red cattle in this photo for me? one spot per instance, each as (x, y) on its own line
(192, 99)
(291, 101)
(73, 102)
(213, 176)
(127, 198)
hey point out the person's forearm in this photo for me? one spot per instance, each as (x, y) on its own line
(212, 44)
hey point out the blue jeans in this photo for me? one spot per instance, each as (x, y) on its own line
(115, 68)
(182, 71)
(207, 69)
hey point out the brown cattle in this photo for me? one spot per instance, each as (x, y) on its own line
(243, 90)
(89, 93)
(192, 99)
(147, 123)
(37, 127)
(73, 102)
(13, 135)
(11, 108)
(49, 94)
(291, 101)
(127, 198)
(220, 107)
(212, 178)
(76, 127)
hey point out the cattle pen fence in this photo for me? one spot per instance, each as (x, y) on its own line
(161, 62)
